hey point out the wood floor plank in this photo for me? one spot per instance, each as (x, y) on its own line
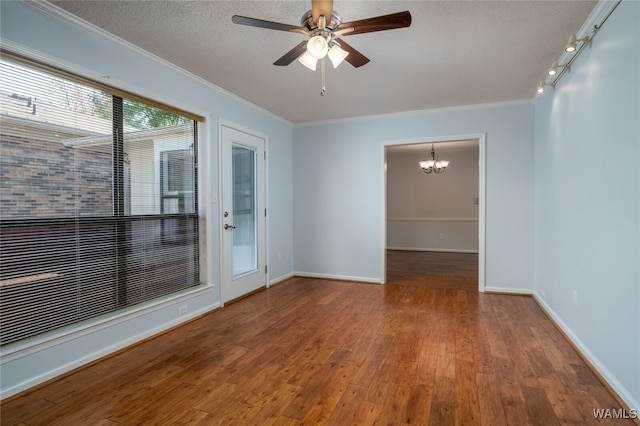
(538, 406)
(466, 398)
(425, 349)
(489, 401)
(277, 402)
(347, 407)
(27, 407)
(368, 413)
(312, 389)
(418, 406)
(188, 417)
(329, 397)
(442, 413)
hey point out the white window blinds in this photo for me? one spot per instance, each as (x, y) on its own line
(98, 199)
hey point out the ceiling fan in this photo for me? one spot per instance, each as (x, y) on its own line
(322, 25)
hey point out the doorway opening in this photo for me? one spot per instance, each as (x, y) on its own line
(435, 219)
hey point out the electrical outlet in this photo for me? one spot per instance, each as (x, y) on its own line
(182, 310)
(441, 236)
(575, 297)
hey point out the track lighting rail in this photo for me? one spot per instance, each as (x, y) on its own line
(573, 48)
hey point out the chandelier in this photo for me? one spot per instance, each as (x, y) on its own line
(433, 164)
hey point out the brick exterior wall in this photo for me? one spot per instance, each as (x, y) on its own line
(42, 179)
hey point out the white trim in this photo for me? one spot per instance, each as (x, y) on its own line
(442, 250)
(482, 212)
(69, 18)
(482, 224)
(280, 279)
(432, 219)
(50, 374)
(336, 277)
(611, 380)
(507, 290)
(449, 109)
(205, 204)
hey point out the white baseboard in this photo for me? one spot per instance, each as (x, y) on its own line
(445, 250)
(604, 374)
(280, 279)
(337, 277)
(506, 290)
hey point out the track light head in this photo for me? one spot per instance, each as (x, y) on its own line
(571, 45)
(554, 69)
(540, 88)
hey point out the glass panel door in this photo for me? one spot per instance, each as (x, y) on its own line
(245, 244)
(242, 165)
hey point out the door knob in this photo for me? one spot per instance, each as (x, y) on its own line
(228, 227)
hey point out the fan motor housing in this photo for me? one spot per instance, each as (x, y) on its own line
(331, 25)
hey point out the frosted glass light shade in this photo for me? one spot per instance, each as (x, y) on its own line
(317, 47)
(337, 55)
(434, 165)
(308, 61)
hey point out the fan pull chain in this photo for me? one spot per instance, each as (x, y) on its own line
(324, 89)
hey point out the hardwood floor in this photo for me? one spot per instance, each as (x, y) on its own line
(311, 351)
(433, 269)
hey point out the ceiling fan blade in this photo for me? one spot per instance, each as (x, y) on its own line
(292, 55)
(378, 23)
(321, 7)
(354, 57)
(261, 23)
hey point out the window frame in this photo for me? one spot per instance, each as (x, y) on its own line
(121, 213)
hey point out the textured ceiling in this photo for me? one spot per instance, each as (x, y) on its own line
(455, 52)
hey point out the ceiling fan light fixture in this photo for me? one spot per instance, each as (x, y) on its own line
(317, 47)
(308, 61)
(337, 55)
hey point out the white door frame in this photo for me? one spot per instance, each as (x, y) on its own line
(482, 222)
(220, 223)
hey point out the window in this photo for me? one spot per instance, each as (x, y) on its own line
(98, 200)
(176, 181)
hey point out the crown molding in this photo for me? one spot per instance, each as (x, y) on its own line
(401, 114)
(80, 23)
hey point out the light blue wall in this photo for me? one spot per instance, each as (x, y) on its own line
(339, 188)
(587, 201)
(47, 36)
